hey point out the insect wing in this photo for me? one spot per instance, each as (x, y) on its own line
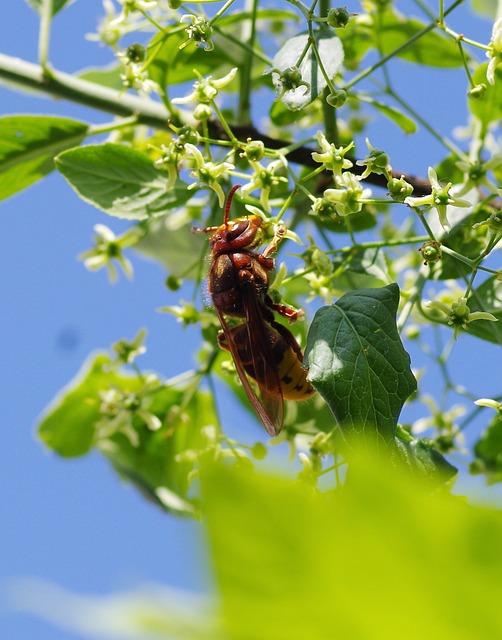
(269, 413)
(261, 338)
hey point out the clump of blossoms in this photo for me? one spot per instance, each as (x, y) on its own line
(439, 198)
(109, 249)
(264, 178)
(288, 79)
(476, 174)
(459, 315)
(494, 52)
(173, 153)
(120, 410)
(345, 198)
(205, 90)
(208, 174)
(135, 76)
(200, 32)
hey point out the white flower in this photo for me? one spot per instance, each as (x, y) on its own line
(495, 51)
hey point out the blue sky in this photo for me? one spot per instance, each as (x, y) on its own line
(73, 522)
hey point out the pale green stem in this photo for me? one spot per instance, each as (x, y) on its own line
(221, 11)
(44, 35)
(63, 85)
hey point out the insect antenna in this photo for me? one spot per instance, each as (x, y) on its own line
(228, 203)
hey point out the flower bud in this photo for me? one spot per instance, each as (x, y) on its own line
(202, 112)
(338, 17)
(478, 92)
(431, 251)
(337, 98)
(136, 53)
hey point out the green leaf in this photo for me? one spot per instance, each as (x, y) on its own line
(184, 246)
(432, 48)
(331, 53)
(421, 458)
(487, 297)
(463, 239)
(69, 424)
(406, 124)
(488, 452)
(486, 8)
(28, 145)
(365, 268)
(306, 567)
(70, 428)
(105, 76)
(357, 39)
(489, 109)
(57, 5)
(120, 181)
(172, 65)
(357, 362)
(152, 466)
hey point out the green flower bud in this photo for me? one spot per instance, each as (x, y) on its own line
(187, 135)
(173, 283)
(338, 17)
(431, 251)
(399, 189)
(136, 53)
(254, 150)
(259, 451)
(337, 99)
(202, 112)
(478, 92)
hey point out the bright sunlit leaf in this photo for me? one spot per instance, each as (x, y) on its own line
(357, 361)
(120, 181)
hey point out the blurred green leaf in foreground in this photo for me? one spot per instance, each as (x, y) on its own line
(382, 558)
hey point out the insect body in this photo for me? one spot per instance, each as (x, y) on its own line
(262, 349)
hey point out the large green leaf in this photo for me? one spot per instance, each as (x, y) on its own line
(432, 48)
(357, 362)
(57, 5)
(331, 53)
(487, 297)
(28, 145)
(368, 562)
(489, 108)
(121, 181)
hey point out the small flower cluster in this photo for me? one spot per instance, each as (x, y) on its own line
(459, 315)
(494, 52)
(109, 249)
(348, 196)
(200, 31)
(135, 76)
(264, 178)
(120, 410)
(115, 25)
(440, 198)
